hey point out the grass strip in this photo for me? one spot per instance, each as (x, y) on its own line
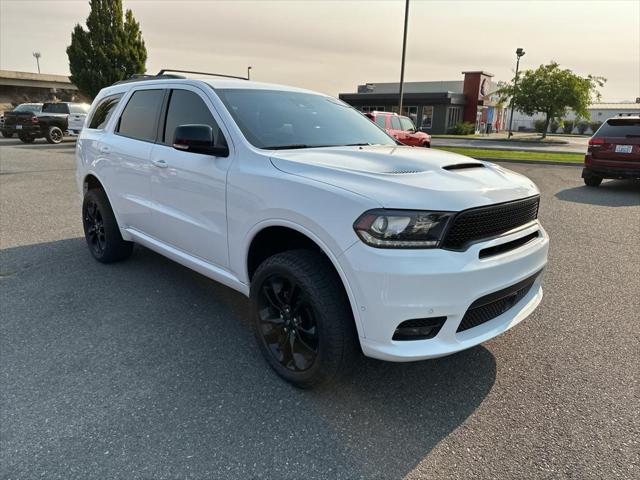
(487, 153)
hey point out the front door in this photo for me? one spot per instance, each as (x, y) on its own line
(189, 189)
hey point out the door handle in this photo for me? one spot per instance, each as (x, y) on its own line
(160, 163)
(104, 149)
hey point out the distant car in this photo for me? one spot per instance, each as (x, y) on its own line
(614, 151)
(77, 117)
(52, 122)
(8, 120)
(401, 128)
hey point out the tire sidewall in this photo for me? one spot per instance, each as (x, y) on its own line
(50, 138)
(328, 359)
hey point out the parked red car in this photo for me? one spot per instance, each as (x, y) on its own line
(614, 151)
(400, 128)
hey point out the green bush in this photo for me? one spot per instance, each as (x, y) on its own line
(555, 125)
(465, 128)
(582, 127)
(594, 126)
(538, 126)
(567, 126)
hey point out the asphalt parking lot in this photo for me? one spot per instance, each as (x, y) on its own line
(147, 370)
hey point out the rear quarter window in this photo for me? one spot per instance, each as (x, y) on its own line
(103, 111)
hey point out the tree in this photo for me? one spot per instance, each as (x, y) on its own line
(109, 50)
(552, 91)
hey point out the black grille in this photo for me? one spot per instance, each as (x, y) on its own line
(495, 304)
(485, 222)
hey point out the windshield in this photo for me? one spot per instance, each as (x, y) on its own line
(276, 119)
(28, 107)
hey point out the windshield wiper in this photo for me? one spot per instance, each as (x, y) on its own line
(287, 147)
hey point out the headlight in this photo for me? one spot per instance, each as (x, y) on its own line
(402, 228)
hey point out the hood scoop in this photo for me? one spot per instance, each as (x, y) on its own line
(463, 166)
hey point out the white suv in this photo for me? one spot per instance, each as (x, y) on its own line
(343, 240)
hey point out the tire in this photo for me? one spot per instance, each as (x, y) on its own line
(426, 145)
(316, 324)
(6, 134)
(101, 230)
(592, 180)
(54, 135)
(27, 138)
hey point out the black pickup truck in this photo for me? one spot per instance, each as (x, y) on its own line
(51, 123)
(24, 109)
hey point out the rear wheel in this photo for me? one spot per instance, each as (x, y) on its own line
(54, 135)
(592, 180)
(27, 138)
(7, 134)
(101, 229)
(426, 145)
(302, 319)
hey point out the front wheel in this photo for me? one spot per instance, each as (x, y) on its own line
(302, 319)
(54, 135)
(101, 229)
(426, 145)
(7, 134)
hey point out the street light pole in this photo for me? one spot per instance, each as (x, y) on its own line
(249, 72)
(404, 51)
(519, 53)
(37, 57)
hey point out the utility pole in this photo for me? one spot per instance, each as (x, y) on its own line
(404, 51)
(519, 53)
(37, 57)
(249, 72)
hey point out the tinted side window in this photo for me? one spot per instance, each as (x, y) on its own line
(187, 108)
(140, 116)
(381, 121)
(395, 123)
(104, 110)
(55, 108)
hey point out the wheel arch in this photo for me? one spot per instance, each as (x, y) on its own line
(296, 236)
(92, 181)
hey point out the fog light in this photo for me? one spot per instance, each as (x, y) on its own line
(419, 328)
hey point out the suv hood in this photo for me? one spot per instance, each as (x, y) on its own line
(408, 177)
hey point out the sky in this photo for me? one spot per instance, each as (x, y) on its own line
(333, 45)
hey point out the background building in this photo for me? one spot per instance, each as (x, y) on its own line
(598, 112)
(21, 87)
(435, 107)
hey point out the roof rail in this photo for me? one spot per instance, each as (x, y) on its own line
(139, 77)
(162, 72)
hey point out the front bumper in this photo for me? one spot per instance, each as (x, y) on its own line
(392, 286)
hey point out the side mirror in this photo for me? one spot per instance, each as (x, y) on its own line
(198, 139)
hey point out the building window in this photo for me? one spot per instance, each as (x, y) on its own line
(369, 108)
(454, 116)
(427, 117)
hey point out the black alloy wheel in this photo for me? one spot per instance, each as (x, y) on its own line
(288, 323)
(94, 228)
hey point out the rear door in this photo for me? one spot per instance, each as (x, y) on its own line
(127, 154)
(189, 189)
(617, 142)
